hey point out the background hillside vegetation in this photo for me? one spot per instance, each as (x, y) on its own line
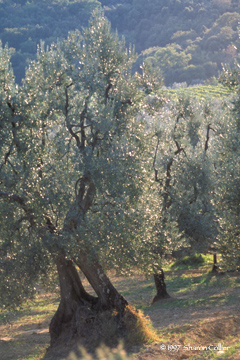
(184, 40)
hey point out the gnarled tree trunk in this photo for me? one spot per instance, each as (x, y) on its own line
(82, 318)
(108, 297)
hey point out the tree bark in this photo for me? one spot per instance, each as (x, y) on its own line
(81, 317)
(215, 267)
(73, 295)
(108, 297)
(160, 286)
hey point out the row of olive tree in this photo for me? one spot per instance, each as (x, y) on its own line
(183, 135)
(196, 168)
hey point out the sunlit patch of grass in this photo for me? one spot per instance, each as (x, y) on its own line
(21, 336)
(138, 290)
(25, 349)
(125, 293)
(38, 307)
(34, 357)
(200, 92)
(197, 283)
(198, 300)
(192, 262)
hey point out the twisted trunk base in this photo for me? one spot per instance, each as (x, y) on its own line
(161, 287)
(86, 320)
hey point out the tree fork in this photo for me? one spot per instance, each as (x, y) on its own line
(73, 295)
(108, 297)
(79, 312)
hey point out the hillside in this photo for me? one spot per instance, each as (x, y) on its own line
(183, 40)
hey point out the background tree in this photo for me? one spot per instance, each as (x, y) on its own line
(73, 181)
(196, 27)
(168, 60)
(184, 170)
(228, 169)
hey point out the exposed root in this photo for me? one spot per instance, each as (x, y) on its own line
(91, 329)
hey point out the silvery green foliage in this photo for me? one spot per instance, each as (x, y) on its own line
(185, 133)
(227, 200)
(16, 252)
(74, 116)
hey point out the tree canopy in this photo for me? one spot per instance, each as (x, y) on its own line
(72, 159)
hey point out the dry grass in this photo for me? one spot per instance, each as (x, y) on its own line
(139, 328)
(24, 333)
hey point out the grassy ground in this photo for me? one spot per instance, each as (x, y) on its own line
(201, 91)
(203, 310)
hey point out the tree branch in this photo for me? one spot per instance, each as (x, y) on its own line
(69, 126)
(167, 185)
(208, 137)
(154, 162)
(174, 136)
(88, 199)
(82, 126)
(6, 156)
(107, 91)
(21, 201)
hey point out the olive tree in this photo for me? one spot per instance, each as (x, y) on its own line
(183, 163)
(227, 199)
(72, 175)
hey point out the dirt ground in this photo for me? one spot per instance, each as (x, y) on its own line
(195, 332)
(199, 329)
(186, 331)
